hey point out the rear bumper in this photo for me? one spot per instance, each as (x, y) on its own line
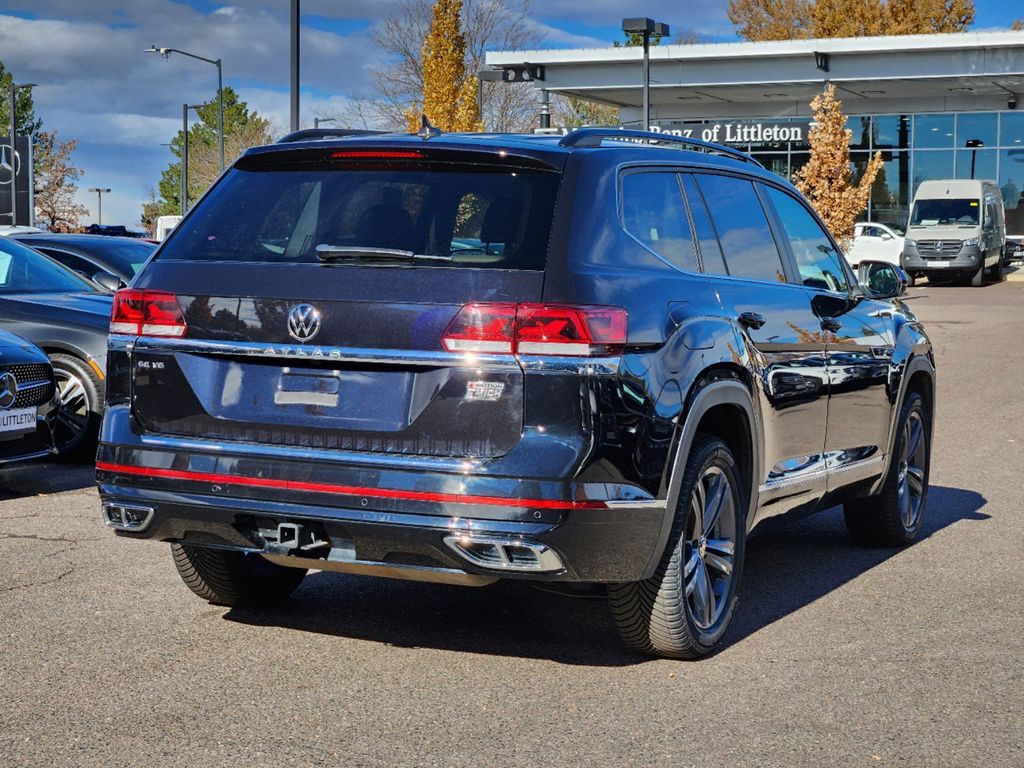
(394, 521)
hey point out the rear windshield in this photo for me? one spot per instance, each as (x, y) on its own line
(928, 213)
(470, 216)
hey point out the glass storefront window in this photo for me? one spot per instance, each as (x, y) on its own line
(777, 163)
(796, 161)
(1011, 182)
(976, 164)
(890, 131)
(933, 132)
(932, 165)
(979, 126)
(1011, 129)
(890, 194)
(860, 132)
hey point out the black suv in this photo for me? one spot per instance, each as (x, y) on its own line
(603, 357)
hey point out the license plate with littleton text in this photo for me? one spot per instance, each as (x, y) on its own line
(18, 420)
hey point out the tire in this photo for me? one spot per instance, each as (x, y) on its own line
(231, 578)
(911, 280)
(893, 518)
(995, 273)
(78, 418)
(978, 278)
(662, 616)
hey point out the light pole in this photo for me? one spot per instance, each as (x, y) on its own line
(973, 144)
(647, 28)
(318, 120)
(166, 53)
(295, 65)
(15, 87)
(99, 195)
(184, 155)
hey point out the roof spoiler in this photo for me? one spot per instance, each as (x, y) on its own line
(592, 137)
(315, 134)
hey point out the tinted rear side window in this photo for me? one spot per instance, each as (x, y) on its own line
(653, 212)
(742, 227)
(476, 216)
(710, 251)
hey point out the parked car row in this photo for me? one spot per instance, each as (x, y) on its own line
(55, 300)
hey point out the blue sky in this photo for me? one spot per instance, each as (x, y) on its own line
(96, 85)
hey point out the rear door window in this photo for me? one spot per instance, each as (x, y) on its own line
(653, 213)
(710, 250)
(743, 231)
(459, 214)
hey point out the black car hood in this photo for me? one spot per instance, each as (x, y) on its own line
(85, 308)
(14, 349)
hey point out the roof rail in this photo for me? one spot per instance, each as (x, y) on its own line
(592, 137)
(313, 134)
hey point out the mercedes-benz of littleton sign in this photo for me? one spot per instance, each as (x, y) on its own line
(935, 106)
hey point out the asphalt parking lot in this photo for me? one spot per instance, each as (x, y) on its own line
(838, 655)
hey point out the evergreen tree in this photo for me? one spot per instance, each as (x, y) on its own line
(242, 129)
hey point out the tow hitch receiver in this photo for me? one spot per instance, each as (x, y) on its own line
(293, 538)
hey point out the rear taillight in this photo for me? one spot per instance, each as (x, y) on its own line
(147, 313)
(537, 329)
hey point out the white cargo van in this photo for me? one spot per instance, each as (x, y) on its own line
(164, 224)
(957, 231)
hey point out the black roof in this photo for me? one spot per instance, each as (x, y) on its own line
(621, 145)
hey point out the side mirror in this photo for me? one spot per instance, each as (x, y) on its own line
(882, 280)
(107, 281)
(886, 236)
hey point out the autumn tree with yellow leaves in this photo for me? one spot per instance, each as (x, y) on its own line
(449, 93)
(826, 179)
(798, 19)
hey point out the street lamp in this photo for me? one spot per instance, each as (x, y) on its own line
(99, 195)
(318, 120)
(15, 87)
(296, 20)
(973, 144)
(647, 28)
(166, 53)
(184, 155)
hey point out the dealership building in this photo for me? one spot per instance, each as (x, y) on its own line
(935, 106)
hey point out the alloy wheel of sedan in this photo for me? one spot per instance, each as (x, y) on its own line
(910, 477)
(709, 547)
(73, 414)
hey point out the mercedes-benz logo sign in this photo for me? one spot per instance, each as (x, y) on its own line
(938, 245)
(303, 322)
(8, 389)
(10, 164)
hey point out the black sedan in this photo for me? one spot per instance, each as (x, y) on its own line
(93, 255)
(28, 401)
(67, 317)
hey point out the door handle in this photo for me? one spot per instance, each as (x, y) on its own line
(751, 320)
(830, 324)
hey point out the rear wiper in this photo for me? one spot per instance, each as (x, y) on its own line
(326, 252)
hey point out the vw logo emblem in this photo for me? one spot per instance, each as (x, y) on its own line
(303, 322)
(8, 389)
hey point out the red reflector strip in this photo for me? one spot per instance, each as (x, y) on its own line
(349, 154)
(345, 490)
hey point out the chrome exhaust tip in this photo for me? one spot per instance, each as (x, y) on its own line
(505, 554)
(126, 517)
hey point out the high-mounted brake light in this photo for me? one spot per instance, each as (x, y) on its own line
(388, 154)
(537, 329)
(147, 313)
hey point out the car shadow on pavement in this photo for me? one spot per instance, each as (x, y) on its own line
(791, 565)
(36, 477)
